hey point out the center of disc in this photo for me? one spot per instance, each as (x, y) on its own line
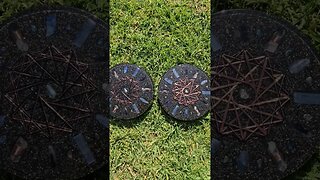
(125, 90)
(186, 91)
(244, 94)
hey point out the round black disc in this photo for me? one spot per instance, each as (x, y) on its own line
(131, 92)
(265, 101)
(54, 69)
(184, 92)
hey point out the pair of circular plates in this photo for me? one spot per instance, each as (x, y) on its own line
(183, 92)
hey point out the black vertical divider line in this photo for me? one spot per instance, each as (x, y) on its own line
(211, 63)
(108, 93)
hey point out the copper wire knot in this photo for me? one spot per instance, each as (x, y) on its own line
(125, 91)
(68, 102)
(233, 114)
(186, 91)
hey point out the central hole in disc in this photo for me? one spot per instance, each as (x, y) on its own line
(244, 94)
(125, 90)
(186, 91)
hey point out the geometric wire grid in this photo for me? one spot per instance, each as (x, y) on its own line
(69, 90)
(247, 95)
(122, 97)
(184, 92)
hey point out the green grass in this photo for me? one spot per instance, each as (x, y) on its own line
(305, 15)
(157, 35)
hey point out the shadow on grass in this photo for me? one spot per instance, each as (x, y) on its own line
(131, 122)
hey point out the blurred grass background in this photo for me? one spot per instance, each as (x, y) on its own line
(8, 8)
(305, 15)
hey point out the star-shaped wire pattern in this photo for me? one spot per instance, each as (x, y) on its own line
(125, 90)
(186, 91)
(49, 91)
(247, 95)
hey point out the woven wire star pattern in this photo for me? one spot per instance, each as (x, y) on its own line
(247, 95)
(49, 91)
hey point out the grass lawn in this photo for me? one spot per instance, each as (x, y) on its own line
(305, 14)
(157, 35)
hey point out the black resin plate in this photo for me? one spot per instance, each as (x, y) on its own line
(265, 99)
(131, 91)
(54, 70)
(184, 92)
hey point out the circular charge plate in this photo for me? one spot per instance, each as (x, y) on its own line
(184, 92)
(131, 92)
(265, 99)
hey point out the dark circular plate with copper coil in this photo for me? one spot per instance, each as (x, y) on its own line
(131, 91)
(265, 96)
(184, 92)
(53, 111)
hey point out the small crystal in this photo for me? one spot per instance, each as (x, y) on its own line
(100, 41)
(51, 25)
(17, 37)
(105, 86)
(102, 120)
(244, 33)
(215, 44)
(288, 52)
(3, 139)
(243, 161)
(259, 33)
(86, 30)
(299, 65)
(273, 43)
(259, 163)
(83, 147)
(69, 154)
(18, 149)
(53, 157)
(309, 80)
(33, 28)
(291, 147)
(282, 166)
(22, 45)
(244, 94)
(272, 148)
(3, 49)
(307, 117)
(215, 144)
(306, 98)
(2, 120)
(51, 92)
(272, 47)
(226, 159)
